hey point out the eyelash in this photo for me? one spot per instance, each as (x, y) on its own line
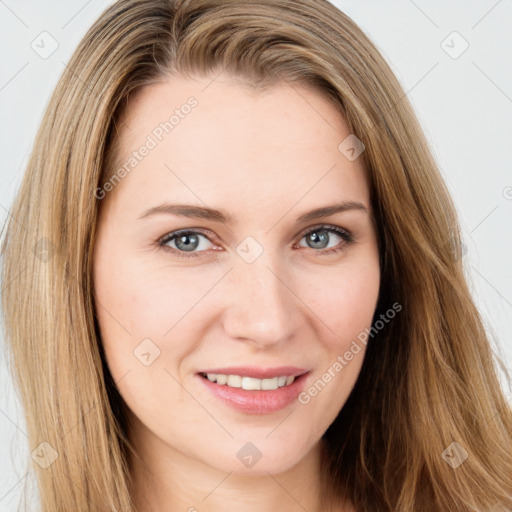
(344, 234)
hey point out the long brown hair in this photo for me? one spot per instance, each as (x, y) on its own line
(429, 378)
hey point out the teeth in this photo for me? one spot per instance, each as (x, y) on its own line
(270, 383)
(234, 381)
(250, 383)
(222, 379)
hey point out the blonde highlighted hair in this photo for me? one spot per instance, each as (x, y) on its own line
(429, 378)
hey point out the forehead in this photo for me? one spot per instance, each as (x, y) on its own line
(215, 140)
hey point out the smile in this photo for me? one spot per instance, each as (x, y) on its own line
(261, 392)
(249, 383)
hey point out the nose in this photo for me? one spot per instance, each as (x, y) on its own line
(261, 307)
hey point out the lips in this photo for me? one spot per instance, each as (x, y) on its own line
(264, 400)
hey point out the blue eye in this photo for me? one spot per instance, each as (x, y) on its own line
(187, 241)
(325, 236)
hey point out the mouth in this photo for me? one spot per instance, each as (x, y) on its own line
(253, 378)
(249, 383)
(241, 389)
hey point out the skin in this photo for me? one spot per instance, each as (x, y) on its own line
(264, 158)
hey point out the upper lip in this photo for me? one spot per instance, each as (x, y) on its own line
(257, 372)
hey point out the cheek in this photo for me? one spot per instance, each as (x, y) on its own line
(356, 304)
(344, 300)
(137, 302)
(345, 310)
(138, 311)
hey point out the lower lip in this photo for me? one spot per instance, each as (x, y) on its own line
(257, 401)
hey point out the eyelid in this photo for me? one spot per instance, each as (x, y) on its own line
(324, 226)
(172, 234)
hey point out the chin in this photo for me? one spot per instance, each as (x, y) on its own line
(258, 458)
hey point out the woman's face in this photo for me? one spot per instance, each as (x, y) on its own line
(260, 289)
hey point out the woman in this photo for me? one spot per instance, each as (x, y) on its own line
(246, 291)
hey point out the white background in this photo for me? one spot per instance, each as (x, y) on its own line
(463, 103)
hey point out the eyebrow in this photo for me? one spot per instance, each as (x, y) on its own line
(200, 212)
